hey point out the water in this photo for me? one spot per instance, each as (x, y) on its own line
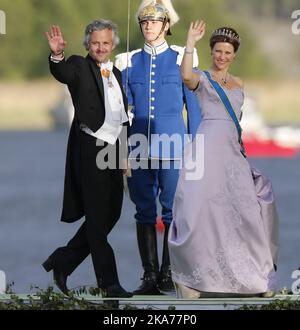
(31, 187)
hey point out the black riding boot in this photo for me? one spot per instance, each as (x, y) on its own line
(146, 237)
(165, 282)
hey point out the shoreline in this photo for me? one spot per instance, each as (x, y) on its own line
(26, 105)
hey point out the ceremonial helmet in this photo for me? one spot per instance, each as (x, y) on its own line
(159, 10)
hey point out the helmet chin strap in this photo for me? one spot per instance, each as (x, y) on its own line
(162, 29)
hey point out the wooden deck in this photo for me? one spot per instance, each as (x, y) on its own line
(164, 302)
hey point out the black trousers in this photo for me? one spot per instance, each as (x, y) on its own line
(102, 192)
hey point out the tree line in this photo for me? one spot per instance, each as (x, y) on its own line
(24, 50)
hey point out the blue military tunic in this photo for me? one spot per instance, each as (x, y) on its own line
(155, 90)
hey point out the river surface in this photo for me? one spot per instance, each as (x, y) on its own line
(31, 187)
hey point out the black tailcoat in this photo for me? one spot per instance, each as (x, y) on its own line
(84, 81)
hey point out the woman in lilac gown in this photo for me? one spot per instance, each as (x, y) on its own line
(223, 238)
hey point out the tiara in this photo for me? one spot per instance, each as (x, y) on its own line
(227, 33)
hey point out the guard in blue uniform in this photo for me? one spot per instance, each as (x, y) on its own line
(157, 134)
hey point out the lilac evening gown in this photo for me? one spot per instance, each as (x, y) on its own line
(223, 237)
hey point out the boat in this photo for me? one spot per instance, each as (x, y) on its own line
(261, 140)
(258, 148)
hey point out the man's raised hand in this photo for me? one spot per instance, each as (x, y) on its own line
(56, 41)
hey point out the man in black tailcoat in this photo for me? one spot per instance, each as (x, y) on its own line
(94, 176)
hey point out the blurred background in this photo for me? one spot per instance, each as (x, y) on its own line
(35, 112)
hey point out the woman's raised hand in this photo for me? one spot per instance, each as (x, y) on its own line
(196, 32)
(56, 41)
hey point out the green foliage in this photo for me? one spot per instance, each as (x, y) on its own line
(277, 304)
(279, 9)
(50, 300)
(24, 48)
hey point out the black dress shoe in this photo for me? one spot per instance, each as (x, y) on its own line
(60, 278)
(116, 291)
(148, 286)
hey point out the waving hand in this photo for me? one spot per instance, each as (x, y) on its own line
(56, 41)
(196, 32)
